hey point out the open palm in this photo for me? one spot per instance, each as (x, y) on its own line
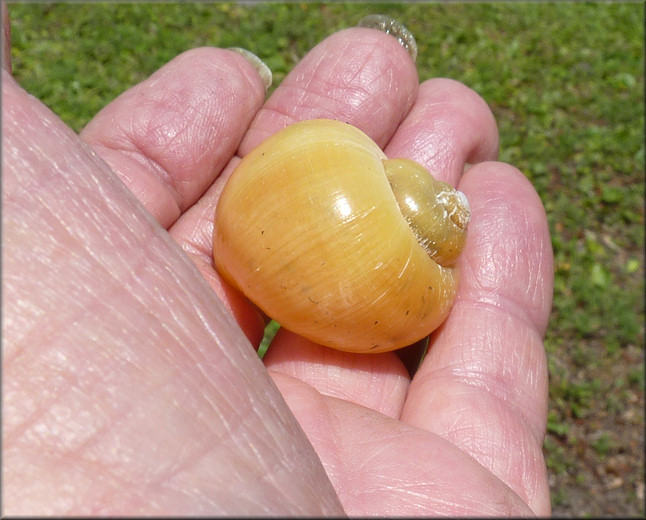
(128, 387)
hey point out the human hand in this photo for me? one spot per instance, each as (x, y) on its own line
(128, 383)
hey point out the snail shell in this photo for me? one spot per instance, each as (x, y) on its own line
(310, 229)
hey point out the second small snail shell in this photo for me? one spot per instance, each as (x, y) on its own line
(338, 243)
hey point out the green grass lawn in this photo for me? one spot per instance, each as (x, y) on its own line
(566, 84)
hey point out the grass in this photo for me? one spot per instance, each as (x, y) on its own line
(565, 81)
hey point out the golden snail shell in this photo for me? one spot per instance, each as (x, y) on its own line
(310, 230)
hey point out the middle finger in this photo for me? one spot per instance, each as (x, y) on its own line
(361, 76)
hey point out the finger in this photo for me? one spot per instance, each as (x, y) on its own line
(359, 75)
(171, 135)
(448, 126)
(483, 383)
(377, 381)
(380, 466)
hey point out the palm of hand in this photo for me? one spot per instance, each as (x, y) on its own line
(464, 437)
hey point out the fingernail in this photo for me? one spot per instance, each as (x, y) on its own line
(391, 26)
(263, 70)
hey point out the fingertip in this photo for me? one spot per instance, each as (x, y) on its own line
(171, 135)
(505, 176)
(449, 125)
(263, 70)
(393, 27)
(357, 75)
(483, 120)
(503, 188)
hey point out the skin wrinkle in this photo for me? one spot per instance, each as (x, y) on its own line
(505, 388)
(323, 97)
(183, 462)
(305, 92)
(356, 99)
(65, 425)
(196, 243)
(358, 88)
(188, 302)
(273, 113)
(191, 113)
(68, 496)
(306, 398)
(131, 226)
(371, 499)
(353, 82)
(17, 323)
(452, 432)
(126, 487)
(135, 169)
(107, 274)
(444, 148)
(438, 148)
(511, 322)
(153, 143)
(448, 125)
(178, 471)
(458, 409)
(14, 187)
(172, 113)
(114, 418)
(521, 469)
(60, 316)
(176, 459)
(133, 495)
(487, 442)
(544, 264)
(86, 226)
(504, 258)
(183, 494)
(16, 429)
(433, 487)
